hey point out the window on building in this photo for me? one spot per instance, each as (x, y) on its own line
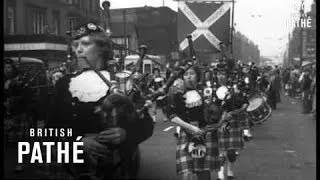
(72, 23)
(90, 6)
(84, 5)
(11, 19)
(94, 6)
(147, 68)
(56, 22)
(76, 2)
(38, 21)
(121, 42)
(86, 8)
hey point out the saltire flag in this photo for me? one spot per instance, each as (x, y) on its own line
(207, 21)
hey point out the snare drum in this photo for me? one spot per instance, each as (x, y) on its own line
(258, 109)
(124, 80)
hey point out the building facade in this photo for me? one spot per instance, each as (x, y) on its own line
(37, 28)
(154, 27)
(308, 42)
(245, 50)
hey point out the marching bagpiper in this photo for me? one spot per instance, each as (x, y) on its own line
(107, 121)
(156, 82)
(16, 98)
(197, 147)
(233, 104)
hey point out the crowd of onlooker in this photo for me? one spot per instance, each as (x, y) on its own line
(300, 83)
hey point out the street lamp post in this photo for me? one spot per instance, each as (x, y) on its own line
(301, 31)
(106, 9)
(69, 34)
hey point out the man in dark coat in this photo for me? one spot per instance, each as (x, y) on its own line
(274, 89)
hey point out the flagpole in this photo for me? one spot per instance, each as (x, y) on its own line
(232, 26)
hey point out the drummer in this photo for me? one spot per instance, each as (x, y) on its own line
(234, 105)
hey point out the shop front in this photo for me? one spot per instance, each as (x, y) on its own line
(51, 49)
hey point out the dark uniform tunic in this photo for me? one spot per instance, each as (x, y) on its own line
(16, 124)
(68, 111)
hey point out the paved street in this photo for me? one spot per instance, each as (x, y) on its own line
(283, 148)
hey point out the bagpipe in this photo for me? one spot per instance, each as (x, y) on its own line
(125, 90)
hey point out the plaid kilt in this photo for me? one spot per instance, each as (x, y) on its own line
(185, 163)
(233, 137)
(244, 119)
(16, 128)
(62, 171)
(54, 170)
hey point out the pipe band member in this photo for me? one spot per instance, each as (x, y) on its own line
(16, 99)
(157, 82)
(230, 134)
(197, 150)
(111, 136)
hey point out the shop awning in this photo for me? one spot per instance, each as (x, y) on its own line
(306, 63)
(35, 46)
(27, 60)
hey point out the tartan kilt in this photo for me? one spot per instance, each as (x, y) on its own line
(244, 119)
(54, 170)
(62, 171)
(185, 163)
(18, 130)
(231, 138)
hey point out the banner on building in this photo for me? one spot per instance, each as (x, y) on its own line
(207, 22)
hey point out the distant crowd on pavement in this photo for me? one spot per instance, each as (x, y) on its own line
(300, 83)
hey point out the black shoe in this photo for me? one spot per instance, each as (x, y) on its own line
(19, 168)
(175, 135)
(247, 139)
(230, 177)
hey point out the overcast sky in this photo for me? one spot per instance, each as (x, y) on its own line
(263, 21)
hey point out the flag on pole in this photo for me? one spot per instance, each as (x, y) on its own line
(207, 22)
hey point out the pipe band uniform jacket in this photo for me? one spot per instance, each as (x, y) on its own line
(75, 99)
